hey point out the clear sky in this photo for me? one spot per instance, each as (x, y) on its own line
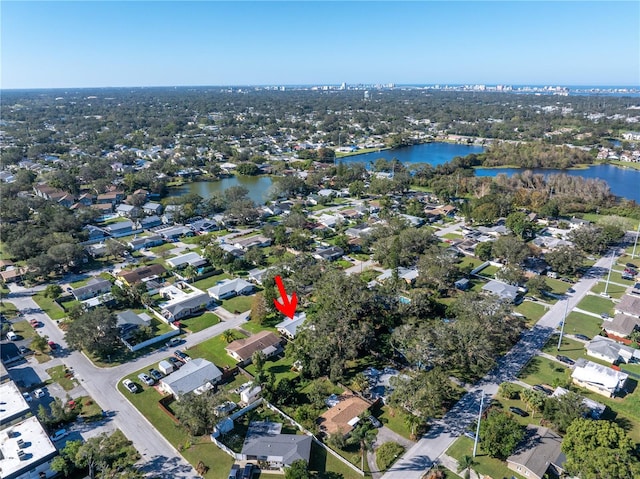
(96, 44)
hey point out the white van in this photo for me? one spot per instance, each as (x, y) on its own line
(11, 336)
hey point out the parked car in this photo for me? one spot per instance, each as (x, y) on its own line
(11, 336)
(234, 473)
(149, 381)
(59, 434)
(27, 397)
(155, 374)
(53, 346)
(542, 389)
(375, 422)
(181, 356)
(34, 323)
(175, 362)
(582, 337)
(571, 291)
(130, 385)
(631, 265)
(518, 411)
(23, 350)
(38, 393)
(173, 342)
(604, 316)
(565, 360)
(247, 472)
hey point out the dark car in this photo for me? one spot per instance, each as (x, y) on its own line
(175, 362)
(155, 374)
(247, 472)
(571, 291)
(582, 337)
(518, 411)
(53, 346)
(542, 389)
(375, 422)
(631, 265)
(565, 359)
(234, 473)
(181, 356)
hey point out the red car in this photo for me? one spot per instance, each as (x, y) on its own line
(52, 345)
(34, 323)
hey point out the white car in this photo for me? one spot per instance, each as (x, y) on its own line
(59, 434)
(38, 393)
(130, 385)
(27, 397)
(149, 381)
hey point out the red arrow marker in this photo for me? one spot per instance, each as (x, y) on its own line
(287, 307)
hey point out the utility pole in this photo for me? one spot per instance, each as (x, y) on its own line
(564, 320)
(606, 286)
(475, 441)
(635, 243)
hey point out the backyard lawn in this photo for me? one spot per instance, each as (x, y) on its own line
(211, 281)
(213, 350)
(485, 465)
(237, 305)
(545, 371)
(280, 366)
(580, 323)
(596, 304)
(201, 322)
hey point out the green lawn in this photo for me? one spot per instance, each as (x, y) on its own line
(57, 374)
(158, 250)
(596, 304)
(213, 350)
(211, 281)
(485, 465)
(532, 311)
(24, 329)
(570, 348)
(557, 286)
(327, 466)
(395, 420)
(201, 322)
(490, 271)
(8, 309)
(614, 290)
(579, 323)
(237, 305)
(452, 236)
(545, 371)
(469, 261)
(280, 366)
(90, 410)
(617, 278)
(49, 306)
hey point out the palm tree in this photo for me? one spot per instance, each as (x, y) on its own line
(228, 336)
(465, 464)
(413, 422)
(190, 272)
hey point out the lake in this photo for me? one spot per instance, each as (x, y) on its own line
(432, 153)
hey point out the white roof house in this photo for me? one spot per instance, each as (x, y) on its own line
(504, 291)
(195, 376)
(289, 327)
(611, 351)
(229, 288)
(26, 450)
(597, 378)
(191, 258)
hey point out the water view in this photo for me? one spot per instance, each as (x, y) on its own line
(259, 187)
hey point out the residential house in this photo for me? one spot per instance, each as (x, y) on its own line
(622, 325)
(496, 231)
(94, 287)
(462, 284)
(121, 228)
(342, 418)
(414, 221)
(196, 376)
(204, 226)
(183, 301)
(95, 233)
(128, 322)
(140, 274)
(151, 208)
(127, 211)
(145, 242)
(242, 349)
(330, 253)
(264, 442)
(150, 222)
(5, 263)
(113, 197)
(256, 275)
(229, 288)
(359, 231)
(250, 393)
(537, 453)
(611, 351)
(407, 274)
(328, 220)
(252, 241)
(595, 409)
(105, 209)
(54, 194)
(504, 291)
(597, 378)
(289, 327)
(188, 259)
(12, 274)
(174, 233)
(629, 305)
(86, 199)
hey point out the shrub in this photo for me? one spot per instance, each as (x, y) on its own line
(387, 454)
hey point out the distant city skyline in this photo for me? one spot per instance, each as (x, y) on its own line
(129, 44)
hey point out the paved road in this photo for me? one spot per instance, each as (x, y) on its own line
(159, 457)
(450, 229)
(445, 431)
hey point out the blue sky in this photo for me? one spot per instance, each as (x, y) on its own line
(96, 44)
